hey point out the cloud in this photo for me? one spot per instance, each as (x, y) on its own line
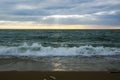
(13, 23)
(23, 6)
(98, 12)
(66, 16)
(112, 12)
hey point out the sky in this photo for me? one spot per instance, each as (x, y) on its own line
(59, 14)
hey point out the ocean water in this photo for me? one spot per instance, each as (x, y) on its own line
(59, 45)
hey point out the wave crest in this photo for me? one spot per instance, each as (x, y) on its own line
(38, 50)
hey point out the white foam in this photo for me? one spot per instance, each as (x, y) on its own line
(38, 50)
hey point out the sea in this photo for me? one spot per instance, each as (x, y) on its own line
(59, 50)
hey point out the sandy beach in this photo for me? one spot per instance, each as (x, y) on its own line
(73, 63)
(47, 75)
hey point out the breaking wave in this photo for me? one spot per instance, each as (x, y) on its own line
(38, 50)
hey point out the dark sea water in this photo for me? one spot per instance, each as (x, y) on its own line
(66, 49)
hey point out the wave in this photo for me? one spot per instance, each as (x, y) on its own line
(38, 50)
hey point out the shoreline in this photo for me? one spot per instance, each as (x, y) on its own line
(109, 63)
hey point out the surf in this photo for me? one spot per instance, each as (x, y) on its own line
(36, 49)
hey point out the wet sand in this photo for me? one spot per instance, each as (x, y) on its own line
(60, 68)
(101, 63)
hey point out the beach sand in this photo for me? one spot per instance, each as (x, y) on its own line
(60, 68)
(39, 75)
(73, 63)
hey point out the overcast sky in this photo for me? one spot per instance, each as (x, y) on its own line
(80, 12)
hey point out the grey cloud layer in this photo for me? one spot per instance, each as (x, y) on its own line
(102, 12)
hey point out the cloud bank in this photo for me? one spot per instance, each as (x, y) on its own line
(90, 12)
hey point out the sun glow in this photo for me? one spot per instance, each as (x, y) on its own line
(55, 27)
(33, 25)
